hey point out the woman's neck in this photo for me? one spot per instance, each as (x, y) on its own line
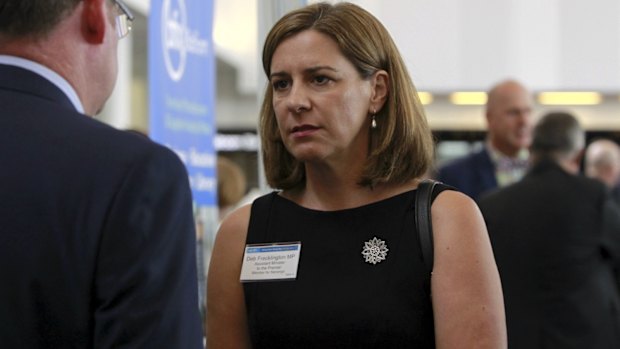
(339, 193)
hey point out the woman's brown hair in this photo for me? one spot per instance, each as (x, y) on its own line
(401, 147)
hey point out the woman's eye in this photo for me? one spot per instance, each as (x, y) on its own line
(280, 84)
(321, 79)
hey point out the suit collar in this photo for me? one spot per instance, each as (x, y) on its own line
(17, 78)
(486, 167)
(546, 165)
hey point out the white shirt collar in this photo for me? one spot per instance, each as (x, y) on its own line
(48, 74)
(496, 155)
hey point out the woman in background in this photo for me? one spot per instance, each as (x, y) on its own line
(231, 185)
(345, 141)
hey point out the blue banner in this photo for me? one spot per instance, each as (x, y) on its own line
(182, 88)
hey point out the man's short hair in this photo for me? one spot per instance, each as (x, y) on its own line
(557, 133)
(36, 18)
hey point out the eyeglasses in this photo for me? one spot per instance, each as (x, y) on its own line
(123, 20)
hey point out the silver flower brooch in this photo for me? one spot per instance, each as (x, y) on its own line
(375, 251)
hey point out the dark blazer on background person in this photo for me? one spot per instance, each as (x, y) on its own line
(615, 194)
(97, 238)
(556, 237)
(473, 174)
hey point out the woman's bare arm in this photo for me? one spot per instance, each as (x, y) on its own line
(226, 314)
(466, 289)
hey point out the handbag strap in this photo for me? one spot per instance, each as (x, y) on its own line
(423, 201)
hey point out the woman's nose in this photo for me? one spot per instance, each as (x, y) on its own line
(298, 101)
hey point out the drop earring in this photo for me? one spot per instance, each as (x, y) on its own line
(373, 122)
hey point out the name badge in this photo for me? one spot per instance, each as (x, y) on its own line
(268, 262)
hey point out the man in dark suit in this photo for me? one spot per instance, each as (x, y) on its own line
(503, 159)
(97, 241)
(556, 239)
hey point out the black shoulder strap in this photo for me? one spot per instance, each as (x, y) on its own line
(423, 201)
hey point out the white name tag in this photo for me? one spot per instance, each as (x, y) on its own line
(264, 262)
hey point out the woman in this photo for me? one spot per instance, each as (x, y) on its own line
(345, 140)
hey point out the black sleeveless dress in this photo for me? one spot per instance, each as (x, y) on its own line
(339, 300)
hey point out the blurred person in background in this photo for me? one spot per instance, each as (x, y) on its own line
(602, 161)
(231, 185)
(503, 159)
(97, 244)
(345, 141)
(556, 239)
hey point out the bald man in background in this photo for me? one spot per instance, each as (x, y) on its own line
(503, 159)
(602, 161)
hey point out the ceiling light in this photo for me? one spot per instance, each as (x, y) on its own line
(425, 97)
(569, 98)
(468, 98)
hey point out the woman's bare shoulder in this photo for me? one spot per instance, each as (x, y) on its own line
(236, 221)
(232, 233)
(455, 206)
(458, 227)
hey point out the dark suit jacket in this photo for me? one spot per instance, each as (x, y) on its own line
(556, 237)
(615, 194)
(473, 174)
(97, 240)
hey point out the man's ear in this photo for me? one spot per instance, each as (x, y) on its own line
(578, 157)
(380, 89)
(488, 117)
(94, 20)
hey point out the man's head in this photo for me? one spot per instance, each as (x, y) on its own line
(559, 136)
(509, 117)
(602, 161)
(75, 38)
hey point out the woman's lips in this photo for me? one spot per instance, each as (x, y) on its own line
(303, 130)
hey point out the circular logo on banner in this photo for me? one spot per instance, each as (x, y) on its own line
(173, 34)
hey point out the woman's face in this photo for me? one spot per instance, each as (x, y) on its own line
(322, 104)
